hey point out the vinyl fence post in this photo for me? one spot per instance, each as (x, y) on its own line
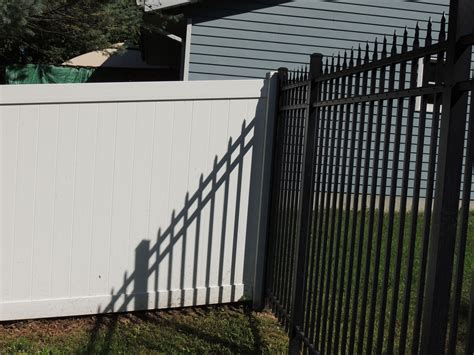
(305, 209)
(448, 181)
(270, 126)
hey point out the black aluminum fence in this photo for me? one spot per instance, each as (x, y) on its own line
(371, 244)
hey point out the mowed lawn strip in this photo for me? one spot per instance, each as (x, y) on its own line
(355, 308)
(215, 330)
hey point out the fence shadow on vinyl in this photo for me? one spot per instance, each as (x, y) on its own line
(142, 284)
(371, 240)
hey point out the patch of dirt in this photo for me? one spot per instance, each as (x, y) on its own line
(43, 328)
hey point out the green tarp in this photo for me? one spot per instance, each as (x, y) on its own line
(46, 74)
(50, 74)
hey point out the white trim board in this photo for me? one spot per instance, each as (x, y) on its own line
(187, 49)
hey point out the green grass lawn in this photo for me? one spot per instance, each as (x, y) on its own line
(370, 276)
(378, 273)
(211, 330)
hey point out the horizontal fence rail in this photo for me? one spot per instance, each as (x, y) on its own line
(371, 245)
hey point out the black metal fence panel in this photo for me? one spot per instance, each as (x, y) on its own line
(371, 245)
(294, 107)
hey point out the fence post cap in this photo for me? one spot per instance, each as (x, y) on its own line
(316, 55)
(283, 73)
(316, 65)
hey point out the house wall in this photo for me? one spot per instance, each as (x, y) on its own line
(246, 39)
(135, 196)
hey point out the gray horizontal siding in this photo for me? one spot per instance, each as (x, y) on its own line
(246, 39)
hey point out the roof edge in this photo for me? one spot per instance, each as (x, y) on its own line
(152, 5)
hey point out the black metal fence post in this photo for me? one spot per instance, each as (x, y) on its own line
(470, 326)
(305, 209)
(448, 181)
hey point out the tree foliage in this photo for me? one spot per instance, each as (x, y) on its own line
(53, 31)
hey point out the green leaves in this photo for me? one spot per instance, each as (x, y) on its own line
(14, 15)
(53, 31)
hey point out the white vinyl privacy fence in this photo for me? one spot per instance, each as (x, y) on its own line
(119, 197)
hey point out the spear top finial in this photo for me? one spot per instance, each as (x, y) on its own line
(394, 43)
(376, 49)
(428, 38)
(359, 55)
(384, 47)
(366, 58)
(416, 40)
(442, 30)
(405, 41)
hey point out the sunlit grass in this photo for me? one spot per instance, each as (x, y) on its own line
(203, 330)
(400, 238)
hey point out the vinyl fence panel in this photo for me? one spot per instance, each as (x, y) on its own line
(120, 197)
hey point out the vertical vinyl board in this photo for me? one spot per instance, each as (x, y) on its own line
(103, 195)
(160, 216)
(237, 110)
(9, 128)
(178, 188)
(64, 177)
(198, 211)
(218, 147)
(44, 202)
(24, 218)
(122, 196)
(83, 199)
(139, 242)
(204, 110)
(255, 109)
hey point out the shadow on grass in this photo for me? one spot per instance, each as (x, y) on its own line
(231, 329)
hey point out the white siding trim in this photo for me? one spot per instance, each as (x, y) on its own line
(187, 49)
